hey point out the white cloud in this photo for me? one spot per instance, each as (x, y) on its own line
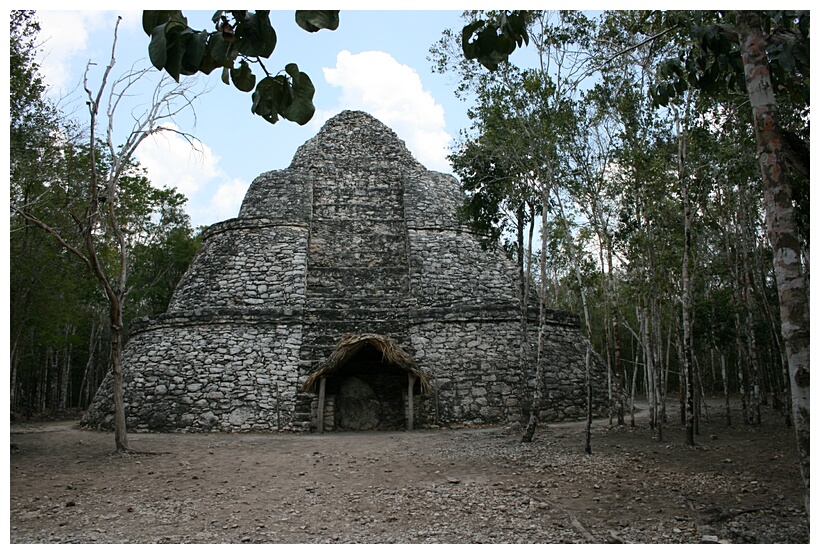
(392, 92)
(227, 200)
(65, 37)
(171, 161)
(69, 40)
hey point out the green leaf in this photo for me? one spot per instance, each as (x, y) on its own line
(216, 54)
(803, 24)
(158, 48)
(166, 49)
(469, 47)
(517, 28)
(256, 35)
(660, 96)
(175, 35)
(194, 53)
(493, 44)
(292, 99)
(301, 109)
(265, 98)
(801, 54)
(208, 63)
(786, 59)
(504, 45)
(315, 20)
(486, 40)
(226, 75)
(243, 78)
(239, 15)
(153, 18)
(731, 81)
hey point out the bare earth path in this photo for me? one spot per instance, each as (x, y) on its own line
(739, 484)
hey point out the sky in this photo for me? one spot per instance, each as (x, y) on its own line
(375, 61)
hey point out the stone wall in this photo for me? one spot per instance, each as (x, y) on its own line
(198, 373)
(565, 379)
(246, 264)
(475, 380)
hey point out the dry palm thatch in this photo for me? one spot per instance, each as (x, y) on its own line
(350, 344)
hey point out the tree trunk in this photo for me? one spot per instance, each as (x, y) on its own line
(588, 363)
(616, 339)
(85, 385)
(734, 268)
(632, 391)
(524, 295)
(65, 372)
(751, 346)
(585, 306)
(607, 329)
(749, 305)
(725, 375)
(651, 387)
(522, 286)
(686, 294)
(53, 394)
(781, 378)
(13, 385)
(781, 228)
(120, 435)
(538, 395)
(664, 378)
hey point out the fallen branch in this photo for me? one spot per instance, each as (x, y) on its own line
(574, 520)
(577, 524)
(727, 513)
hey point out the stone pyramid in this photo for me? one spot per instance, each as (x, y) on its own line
(354, 237)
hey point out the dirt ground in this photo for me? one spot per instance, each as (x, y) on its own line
(738, 485)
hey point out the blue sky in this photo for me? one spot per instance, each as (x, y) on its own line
(375, 61)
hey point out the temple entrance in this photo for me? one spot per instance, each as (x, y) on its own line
(369, 393)
(368, 383)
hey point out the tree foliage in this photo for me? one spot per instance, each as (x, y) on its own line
(491, 41)
(656, 126)
(240, 38)
(60, 332)
(709, 56)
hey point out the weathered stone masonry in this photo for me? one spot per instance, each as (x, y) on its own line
(354, 237)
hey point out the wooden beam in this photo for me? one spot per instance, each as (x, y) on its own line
(320, 411)
(411, 380)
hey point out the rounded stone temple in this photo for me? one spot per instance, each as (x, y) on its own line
(345, 296)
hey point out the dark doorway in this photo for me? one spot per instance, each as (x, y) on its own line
(369, 393)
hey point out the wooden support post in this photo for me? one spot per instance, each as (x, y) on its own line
(320, 411)
(411, 380)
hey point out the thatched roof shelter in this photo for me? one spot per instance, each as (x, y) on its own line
(351, 344)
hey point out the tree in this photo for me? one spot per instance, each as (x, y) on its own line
(94, 222)
(694, 266)
(764, 55)
(781, 226)
(500, 201)
(35, 155)
(522, 120)
(243, 36)
(593, 139)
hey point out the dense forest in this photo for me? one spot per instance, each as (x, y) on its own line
(649, 170)
(60, 344)
(628, 168)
